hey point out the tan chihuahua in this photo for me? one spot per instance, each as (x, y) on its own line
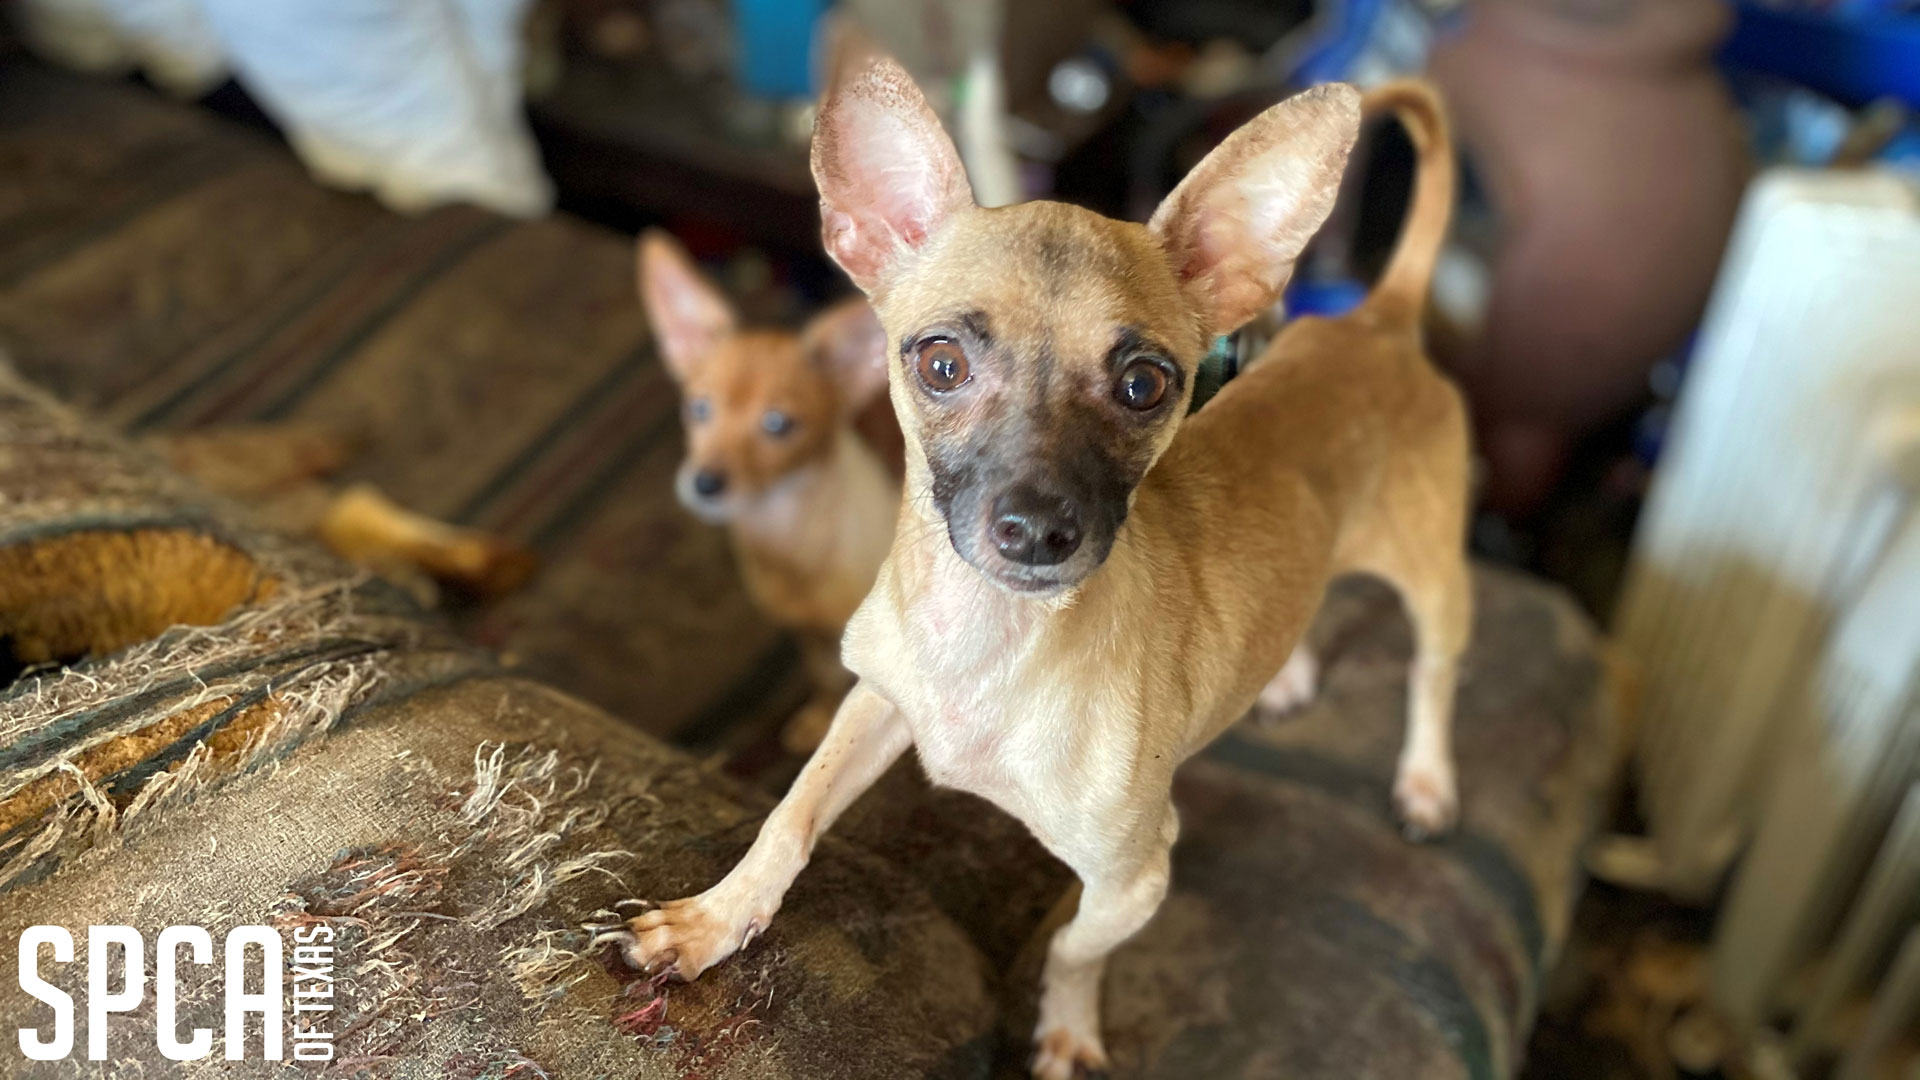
(1086, 585)
(773, 455)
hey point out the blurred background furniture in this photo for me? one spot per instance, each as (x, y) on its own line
(1774, 598)
(1610, 157)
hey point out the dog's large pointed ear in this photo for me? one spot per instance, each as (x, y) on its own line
(847, 342)
(689, 315)
(1235, 225)
(889, 177)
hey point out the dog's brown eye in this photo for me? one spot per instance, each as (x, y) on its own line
(1141, 385)
(942, 366)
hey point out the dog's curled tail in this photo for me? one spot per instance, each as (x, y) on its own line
(1402, 289)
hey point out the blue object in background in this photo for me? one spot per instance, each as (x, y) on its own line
(1366, 41)
(775, 39)
(1336, 297)
(1904, 151)
(1330, 56)
(1862, 51)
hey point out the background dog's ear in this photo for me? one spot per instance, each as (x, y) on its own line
(1235, 225)
(847, 341)
(689, 315)
(888, 175)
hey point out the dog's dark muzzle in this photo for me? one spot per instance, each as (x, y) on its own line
(1034, 528)
(1032, 536)
(1033, 515)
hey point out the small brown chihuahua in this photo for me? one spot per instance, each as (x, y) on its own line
(772, 454)
(1086, 584)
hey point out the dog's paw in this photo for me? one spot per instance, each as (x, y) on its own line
(1296, 684)
(683, 937)
(1061, 1054)
(1426, 798)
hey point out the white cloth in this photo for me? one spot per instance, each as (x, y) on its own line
(170, 40)
(416, 101)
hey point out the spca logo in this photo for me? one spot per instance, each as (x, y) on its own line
(251, 954)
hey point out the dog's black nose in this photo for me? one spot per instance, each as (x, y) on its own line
(1034, 528)
(709, 482)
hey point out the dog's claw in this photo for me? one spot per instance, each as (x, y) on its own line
(683, 938)
(611, 924)
(604, 935)
(664, 962)
(617, 913)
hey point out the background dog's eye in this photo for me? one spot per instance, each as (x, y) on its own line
(698, 409)
(942, 366)
(1141, 385)
(776, 423)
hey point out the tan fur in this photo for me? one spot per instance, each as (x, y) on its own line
(1071, 706)
(279, 471)
(365, 526)
(93, 592)
(807, 513)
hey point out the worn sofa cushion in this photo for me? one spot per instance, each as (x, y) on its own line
(318, 752)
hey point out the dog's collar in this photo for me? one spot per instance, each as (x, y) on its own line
(1226, 359)
(1221, 363)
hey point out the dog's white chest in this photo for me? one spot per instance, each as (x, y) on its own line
(998, 751)
(964, 666)
(1037, 749)
(972, 668)
(966, 742)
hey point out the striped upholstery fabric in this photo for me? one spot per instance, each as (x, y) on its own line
(164, 269)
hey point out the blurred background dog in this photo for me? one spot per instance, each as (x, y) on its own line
(774, 455)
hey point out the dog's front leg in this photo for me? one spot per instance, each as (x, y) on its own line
(1117, 897)
(689, 936)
